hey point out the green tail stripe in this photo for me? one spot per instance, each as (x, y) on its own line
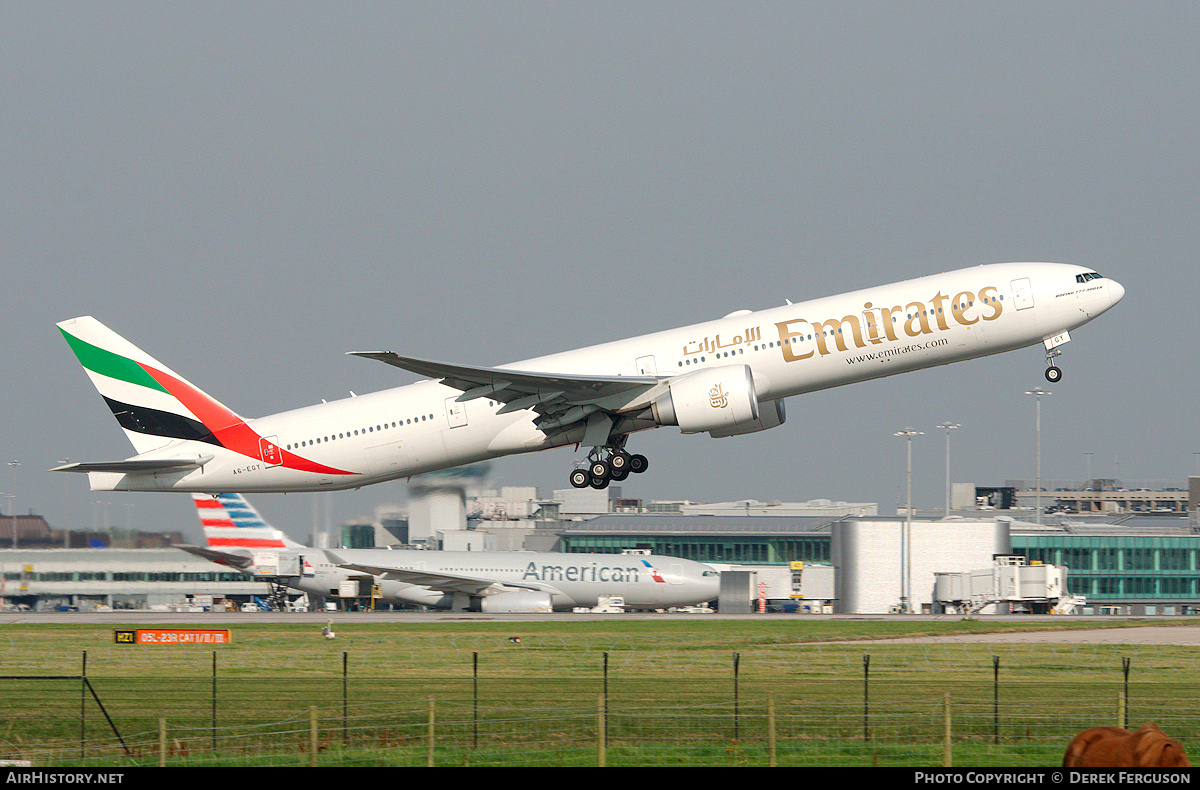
(106, 363)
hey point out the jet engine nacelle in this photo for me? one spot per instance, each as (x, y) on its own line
(516, 602)
(720, 400)
(770, 415)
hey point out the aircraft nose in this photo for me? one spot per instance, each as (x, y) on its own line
(1116, 291)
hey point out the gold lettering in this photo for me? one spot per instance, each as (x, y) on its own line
(834, 326)
(918, 316)
(963, 302)
(992, 301)
(872, 323)
(916, 322)
(889, 325)
(785, 336)
(939, 305)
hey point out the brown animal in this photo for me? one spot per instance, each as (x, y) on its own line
(1114, 747)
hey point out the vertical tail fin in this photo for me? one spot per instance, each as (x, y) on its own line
(152, 403)
(230, 522)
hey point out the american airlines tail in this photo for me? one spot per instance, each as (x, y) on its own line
(230, 522)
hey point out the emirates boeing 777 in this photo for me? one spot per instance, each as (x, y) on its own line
(724, 377)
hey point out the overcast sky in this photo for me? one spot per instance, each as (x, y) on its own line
(248, 190)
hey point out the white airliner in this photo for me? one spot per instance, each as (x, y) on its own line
(488, 581)
(723, 377)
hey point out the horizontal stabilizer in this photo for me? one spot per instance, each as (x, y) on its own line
(220, 557)
(137, 467)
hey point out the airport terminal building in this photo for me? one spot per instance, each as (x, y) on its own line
(1121, 559)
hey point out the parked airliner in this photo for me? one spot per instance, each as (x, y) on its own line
(488, 581)
(723, 377)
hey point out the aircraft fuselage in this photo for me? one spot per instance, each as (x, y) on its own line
(787, 351)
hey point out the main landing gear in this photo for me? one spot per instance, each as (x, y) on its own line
(606, 464)
(1053, 374)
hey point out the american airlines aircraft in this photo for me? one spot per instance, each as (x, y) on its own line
(487, 581)
(723, 377)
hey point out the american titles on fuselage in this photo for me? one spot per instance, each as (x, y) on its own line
(592, 572)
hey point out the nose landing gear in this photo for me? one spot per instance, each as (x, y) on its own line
(1053, 374)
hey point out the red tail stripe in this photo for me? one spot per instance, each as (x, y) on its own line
(230, 430)
(250, 543)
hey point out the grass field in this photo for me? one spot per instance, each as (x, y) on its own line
(791, 691)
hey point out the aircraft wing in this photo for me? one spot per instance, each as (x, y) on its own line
(559, 399)
(434, 580)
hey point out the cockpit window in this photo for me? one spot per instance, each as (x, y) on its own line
(1083, 278)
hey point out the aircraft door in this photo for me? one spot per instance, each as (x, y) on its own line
(646, 366)
(1022, 293)
(456, 413)
(269, 451)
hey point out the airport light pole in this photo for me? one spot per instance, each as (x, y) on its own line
(66, 506)
(1038, 393)
(3, 597)
(948, 426)
(12, 503)
(13, 465)
(906, 529)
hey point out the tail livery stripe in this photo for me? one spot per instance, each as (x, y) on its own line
(149, 400)
(245, 543)
(106, 363)
(230, 522)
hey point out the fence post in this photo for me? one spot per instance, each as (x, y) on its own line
(1125, 661)
(214, 701)
(83, 705)
(1122, 711)
(947, 755)
(606, 697)
(736, 661)
(601, 732)
(162, 742)
(312, 736)
(995, 699)
(866, 696)
(771, 728)
(475, 699)
(429, 746)
(345, 698)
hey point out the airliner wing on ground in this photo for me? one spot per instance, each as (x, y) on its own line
(435, 580)
(489, 581)
(724, 378)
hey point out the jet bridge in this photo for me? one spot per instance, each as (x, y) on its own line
(1010, 580)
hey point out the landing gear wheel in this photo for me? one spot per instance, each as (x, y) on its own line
(1053, 374)
(607, 463)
